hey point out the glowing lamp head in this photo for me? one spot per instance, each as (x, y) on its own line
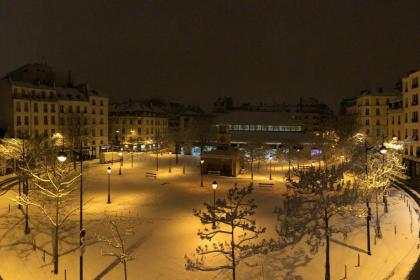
(214, 185)
(383, 150)
(395, 138)
(202, 161)
(120, 154)
(170, 153)
(62, 156)
(109, 170)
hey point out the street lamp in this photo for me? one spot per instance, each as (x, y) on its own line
(109, 170)
(120, 154)
(201, 171)
(169, 159)
(270, 158)
(214, 186)
(62, 156)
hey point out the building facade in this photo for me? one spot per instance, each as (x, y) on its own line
(312, 115)
(370, 109)
(137, 123)
(35, 103)
(411, 108)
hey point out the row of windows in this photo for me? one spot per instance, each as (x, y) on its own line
(77, 109)
(140, 121)
(139, 130)
(44, 94)
(245, 127)
(406, 151)
(25, 121)
(372, 133)
(414, 100)
(367, 122)
(377, 102)
(414, 84)
(377, 112)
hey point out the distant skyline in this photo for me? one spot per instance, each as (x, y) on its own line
(195, 51)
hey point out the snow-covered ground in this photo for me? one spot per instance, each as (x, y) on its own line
(161, 211)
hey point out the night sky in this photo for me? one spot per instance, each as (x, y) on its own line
(195, 51)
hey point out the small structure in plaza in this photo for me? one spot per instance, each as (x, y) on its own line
(223, 161)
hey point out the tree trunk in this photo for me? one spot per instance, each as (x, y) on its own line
(56, 239)
(233, 254)
(368, 217)
(378, 222)
(252, 167)
(327, 247)
(385, 199)
(125, 270)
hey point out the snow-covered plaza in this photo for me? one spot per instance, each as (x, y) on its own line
(165, 229)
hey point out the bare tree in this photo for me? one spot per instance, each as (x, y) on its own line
(52, 193)
(255, 150)
(309, 205)
(236, 229)
(118, 229)
(380, 170)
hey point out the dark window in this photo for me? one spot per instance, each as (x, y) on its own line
(414, 99)
(414, 117)
(45, 108)
(415, 83)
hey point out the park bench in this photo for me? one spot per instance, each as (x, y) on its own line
(151, 175)
(266, 185)
(211, 172)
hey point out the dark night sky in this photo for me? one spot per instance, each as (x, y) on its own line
(193, 51)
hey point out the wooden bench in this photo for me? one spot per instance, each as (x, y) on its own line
(213, 172)
(266, 185)
(151, 175)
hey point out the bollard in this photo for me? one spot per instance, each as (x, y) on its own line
(345, 271)
(9, 207)
(65, 274)
(395, 229)
(43, 255)
(374, 239)
(358, 260)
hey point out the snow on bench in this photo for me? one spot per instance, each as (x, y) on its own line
(269, 185)
(213, 172)
(151, 174)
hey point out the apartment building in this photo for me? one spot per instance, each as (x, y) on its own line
(411, 108)
(39, 102)
(370, 108)
(395, 120)
(136, 122)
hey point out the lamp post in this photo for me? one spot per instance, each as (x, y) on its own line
(169, 159)
(109, 170)
(214, 186)
(269, 161)
(157, 158)
(62, 157)
(120, 154)
(25, 191)
(201, 171)
(383, 151)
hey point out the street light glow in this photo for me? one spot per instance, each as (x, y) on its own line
(62, 156)
(214, 185)
(109, 170)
